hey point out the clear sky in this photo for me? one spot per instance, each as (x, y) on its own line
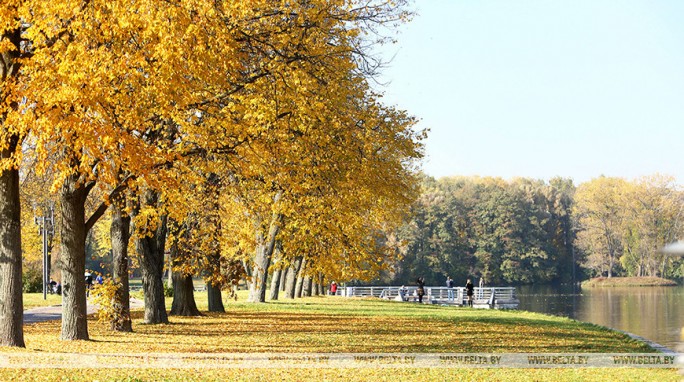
(544, 88)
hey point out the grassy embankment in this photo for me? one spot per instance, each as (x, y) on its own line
(313, 325)
(627, 282)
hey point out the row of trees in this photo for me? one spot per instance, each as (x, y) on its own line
(531, 231)
(222, 132)
(623, 225)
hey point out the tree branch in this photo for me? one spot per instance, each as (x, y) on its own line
(97, 214)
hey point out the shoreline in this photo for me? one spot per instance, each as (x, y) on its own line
(654, 345)
(599, 282)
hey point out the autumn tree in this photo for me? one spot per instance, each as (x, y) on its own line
(13, 52)
(653, 210)
(600, 216)
(159, 82)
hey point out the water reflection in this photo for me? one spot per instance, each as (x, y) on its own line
(656, 313)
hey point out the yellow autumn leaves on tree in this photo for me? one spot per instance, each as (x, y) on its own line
(272, 98)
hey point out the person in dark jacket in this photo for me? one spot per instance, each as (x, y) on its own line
(88, 282)
(469, 292)
(421, 289)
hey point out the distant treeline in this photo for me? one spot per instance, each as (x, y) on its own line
(531, 231)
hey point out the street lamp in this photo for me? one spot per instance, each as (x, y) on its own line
(46, 228)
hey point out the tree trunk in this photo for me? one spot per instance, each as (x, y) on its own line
(306, 288)
(283, 278)
(72, 259)
(153, 287)
(277, 275)
(300, 279)
(214, 297)
(169, 271)
(299, 287)
(11, 300)
(262, 260)
(183, 288)
(321, 284)
(151, 251)
(275, 284)
(291, 280)
(183, 296)
(213, 274)
(120, 234)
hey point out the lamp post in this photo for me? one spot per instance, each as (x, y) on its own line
(46, 228)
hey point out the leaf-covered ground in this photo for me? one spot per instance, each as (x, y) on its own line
(392, 375)
(343, 325)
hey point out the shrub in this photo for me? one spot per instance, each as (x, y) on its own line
(104, 295)
(32, 280)
(168, 291)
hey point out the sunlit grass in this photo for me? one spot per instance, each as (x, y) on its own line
(323, 324)
(336, 324)
(34, 300)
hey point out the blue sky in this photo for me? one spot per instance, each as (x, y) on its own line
(544, 88)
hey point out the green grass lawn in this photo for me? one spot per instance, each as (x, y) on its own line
(341, 325)
(35, 300)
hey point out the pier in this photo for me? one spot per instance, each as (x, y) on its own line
(487, 297)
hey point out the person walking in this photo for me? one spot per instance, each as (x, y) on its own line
(88, 282)
(469, 292)
(450, 288)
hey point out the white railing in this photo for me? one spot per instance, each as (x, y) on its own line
(138, 287)
(436, 295)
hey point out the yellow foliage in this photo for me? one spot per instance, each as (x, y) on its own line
(273, 97)
(103, 296)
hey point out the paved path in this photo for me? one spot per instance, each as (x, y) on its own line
(54, 312)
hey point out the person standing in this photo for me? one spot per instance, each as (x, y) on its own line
(421, 289)
(450, 288)
(333, 288)
(480, 291)
(469, 292)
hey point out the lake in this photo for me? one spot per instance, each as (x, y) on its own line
(655, 313)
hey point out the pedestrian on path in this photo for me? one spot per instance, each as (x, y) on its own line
(88, 282)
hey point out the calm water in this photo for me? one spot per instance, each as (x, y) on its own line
(655, 313)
